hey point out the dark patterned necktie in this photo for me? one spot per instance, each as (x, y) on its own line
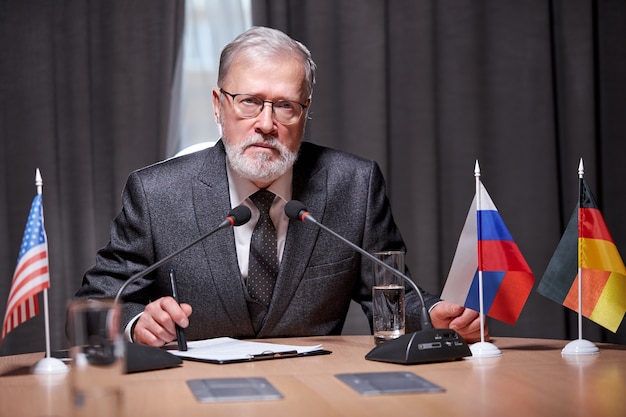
(263, 261)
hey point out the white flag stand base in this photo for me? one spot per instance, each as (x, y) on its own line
(580, 347)
(49, 366)
(484, 350)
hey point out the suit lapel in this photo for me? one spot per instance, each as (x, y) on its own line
(211, 201)
(311, 190)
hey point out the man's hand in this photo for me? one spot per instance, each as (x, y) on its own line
(157, 325)
(464, 321)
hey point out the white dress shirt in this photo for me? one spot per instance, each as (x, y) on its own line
(240, 190)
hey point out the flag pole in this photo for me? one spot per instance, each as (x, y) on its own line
(480, 253)
(39, 185)
(482, 348)
(47, 365)
(581, 197)
(580, 346)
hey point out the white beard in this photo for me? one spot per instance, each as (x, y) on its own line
(260, 166)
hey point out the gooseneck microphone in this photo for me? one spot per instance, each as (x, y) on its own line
(296, 210)
(427, 345)
(140, 357)
(236, 217)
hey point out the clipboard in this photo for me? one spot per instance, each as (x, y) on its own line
(260, 357)
(225, 350)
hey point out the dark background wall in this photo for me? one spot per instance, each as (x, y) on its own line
(423, 87)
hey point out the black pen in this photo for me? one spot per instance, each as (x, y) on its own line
(180, 334)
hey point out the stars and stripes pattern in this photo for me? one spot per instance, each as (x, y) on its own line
(31, 274)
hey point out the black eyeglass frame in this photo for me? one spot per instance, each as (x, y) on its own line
(304, 106)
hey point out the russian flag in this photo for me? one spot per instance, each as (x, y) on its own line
(486, 245)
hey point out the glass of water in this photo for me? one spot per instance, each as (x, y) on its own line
(97, 358)
(388, 297)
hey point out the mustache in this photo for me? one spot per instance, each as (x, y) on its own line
(259, 138)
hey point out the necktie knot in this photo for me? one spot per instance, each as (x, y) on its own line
(263, 199)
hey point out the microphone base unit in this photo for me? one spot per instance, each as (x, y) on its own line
(425, 346)
(140, 358)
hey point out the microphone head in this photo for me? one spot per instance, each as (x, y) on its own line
(240, 215)
(294, 209)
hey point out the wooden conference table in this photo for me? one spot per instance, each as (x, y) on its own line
(531, 378)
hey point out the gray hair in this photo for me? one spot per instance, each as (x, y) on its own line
(262, 42)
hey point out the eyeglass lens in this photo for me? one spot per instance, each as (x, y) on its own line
(285, 111)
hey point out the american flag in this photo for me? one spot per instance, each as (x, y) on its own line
(31, 274)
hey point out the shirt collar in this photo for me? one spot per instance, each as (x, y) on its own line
(241, 188)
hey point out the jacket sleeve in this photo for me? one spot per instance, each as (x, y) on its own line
(381, 233)
(128, 251)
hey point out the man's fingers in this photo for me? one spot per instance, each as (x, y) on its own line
(156, 325)
(149, 332)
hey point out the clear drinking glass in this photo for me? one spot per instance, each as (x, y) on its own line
(97, 358)
(388, 297)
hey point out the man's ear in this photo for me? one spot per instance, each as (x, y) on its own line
(216, 105)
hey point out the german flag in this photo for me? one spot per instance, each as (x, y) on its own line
(588, 245)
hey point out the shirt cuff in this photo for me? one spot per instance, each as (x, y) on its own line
(128, 331)
(433, 306)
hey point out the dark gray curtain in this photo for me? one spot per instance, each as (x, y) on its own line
(85, 90)
(426, 87)
(423, 87)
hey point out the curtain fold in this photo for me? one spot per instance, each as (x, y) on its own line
(85, 90)
(427, 87)
(424, 87)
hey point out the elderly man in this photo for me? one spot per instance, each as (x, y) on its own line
(272, 277)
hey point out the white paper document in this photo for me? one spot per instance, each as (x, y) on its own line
(226, 349)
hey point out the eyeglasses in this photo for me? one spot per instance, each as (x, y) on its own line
(248, 106)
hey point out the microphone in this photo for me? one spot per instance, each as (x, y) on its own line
(141, 358)
(427, 345)
(296, 210)
(236, 217)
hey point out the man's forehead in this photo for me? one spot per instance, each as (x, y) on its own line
(273, 77)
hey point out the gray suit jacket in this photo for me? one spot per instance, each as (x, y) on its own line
(171, 203)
